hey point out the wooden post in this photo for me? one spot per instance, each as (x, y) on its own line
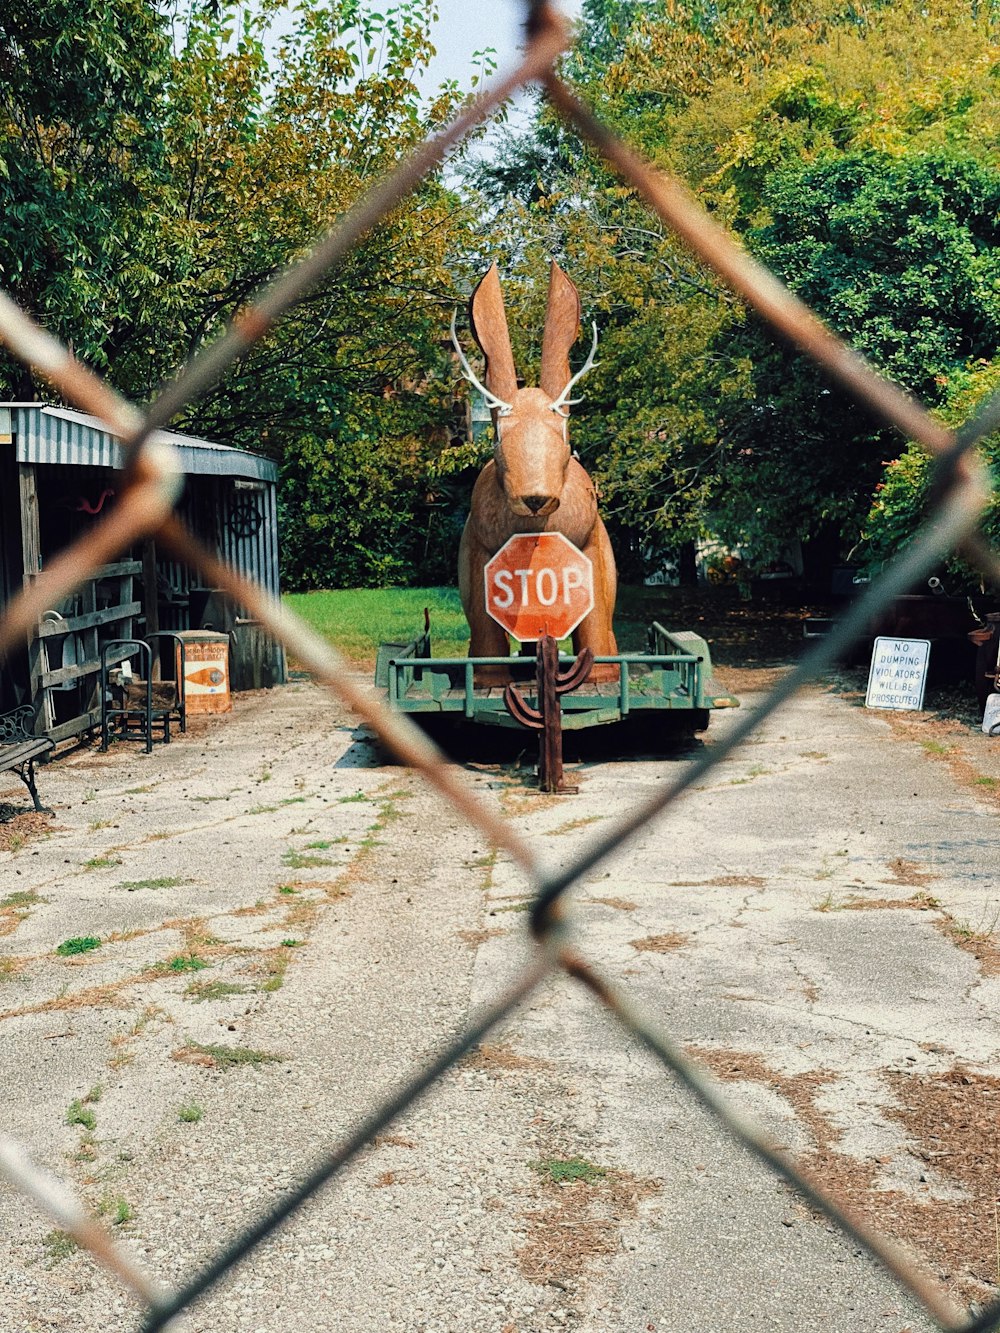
(31, 552)
(150, 600)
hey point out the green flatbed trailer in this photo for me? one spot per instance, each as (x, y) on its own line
(672, 681)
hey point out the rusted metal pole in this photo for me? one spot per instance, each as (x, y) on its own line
(546, 718)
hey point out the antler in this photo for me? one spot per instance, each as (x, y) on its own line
(491, 399)
(563, 400)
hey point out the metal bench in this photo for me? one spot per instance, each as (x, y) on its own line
(19, 748)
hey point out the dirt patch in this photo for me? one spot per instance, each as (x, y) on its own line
(22, 829)
(799, 1090)
(971, 758)
(581, 1221)
(982, 944)
(749, 680)
(473, 938)
(909, 873)
(667, 943)
(500, 1058)
(620, 904)
(392, 1141)
(951, 1121)
(721, 882)
(15, 908)
(918, 903)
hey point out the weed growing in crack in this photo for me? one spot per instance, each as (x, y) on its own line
(301, 861)
(200, 991)
(115, 1210)
(78, 944)
(164, 882)
(564, 1170)
(58, 1245)
(225, 1057)
(79, 1113)
(187, 963)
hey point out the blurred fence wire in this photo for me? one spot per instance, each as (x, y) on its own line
(145, 509)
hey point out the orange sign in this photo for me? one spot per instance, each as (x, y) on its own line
(539, 584)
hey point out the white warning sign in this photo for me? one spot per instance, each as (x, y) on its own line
(898, 674)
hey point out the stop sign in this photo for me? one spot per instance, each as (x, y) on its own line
(539, 584)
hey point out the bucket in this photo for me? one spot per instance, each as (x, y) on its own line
(206, 671)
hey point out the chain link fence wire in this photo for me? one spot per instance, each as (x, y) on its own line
(149, 493)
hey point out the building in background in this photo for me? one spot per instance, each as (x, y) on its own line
(59, 473)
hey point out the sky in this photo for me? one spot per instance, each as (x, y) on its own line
(470, 25)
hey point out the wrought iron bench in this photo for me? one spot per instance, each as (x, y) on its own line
(19, 748)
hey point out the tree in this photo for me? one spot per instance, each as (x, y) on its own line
(81, 170)
(901, 255)
(161, 189)
(882, 117)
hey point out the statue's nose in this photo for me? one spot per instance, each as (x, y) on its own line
(537, 502)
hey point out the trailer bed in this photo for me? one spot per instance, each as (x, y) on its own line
(674, 677)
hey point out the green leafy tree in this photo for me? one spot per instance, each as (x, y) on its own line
(82, 87)
(901, 255)
(150, 190)
(851, 146)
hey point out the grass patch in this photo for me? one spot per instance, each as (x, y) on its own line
(572, 825)
(115, 1210)
(15, 908)
(565, 1170)
(164, 882)
(59, 1245)
(190, 1114)
(78, 944)
(292, 944)
(225, 1057)
(936, 747)
(79, 1113)
(357, 620)
(10, 968)
(187, 963)
(660, 943)
(22, 898)
(102, 862)
(200, 991)
(303, 861)
(358, 798)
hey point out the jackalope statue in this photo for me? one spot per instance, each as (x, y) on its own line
(533, 483)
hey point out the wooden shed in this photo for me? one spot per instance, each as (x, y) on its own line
(59, 471)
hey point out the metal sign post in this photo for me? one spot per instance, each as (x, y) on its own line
(546, 718)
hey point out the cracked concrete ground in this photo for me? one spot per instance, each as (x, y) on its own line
(281, 929)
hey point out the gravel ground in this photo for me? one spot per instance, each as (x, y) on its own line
(287, 927)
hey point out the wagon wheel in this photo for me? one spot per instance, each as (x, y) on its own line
(245, 518)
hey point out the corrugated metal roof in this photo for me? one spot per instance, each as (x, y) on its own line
(63, 435)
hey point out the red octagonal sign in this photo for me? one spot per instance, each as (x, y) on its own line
(539, 583)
